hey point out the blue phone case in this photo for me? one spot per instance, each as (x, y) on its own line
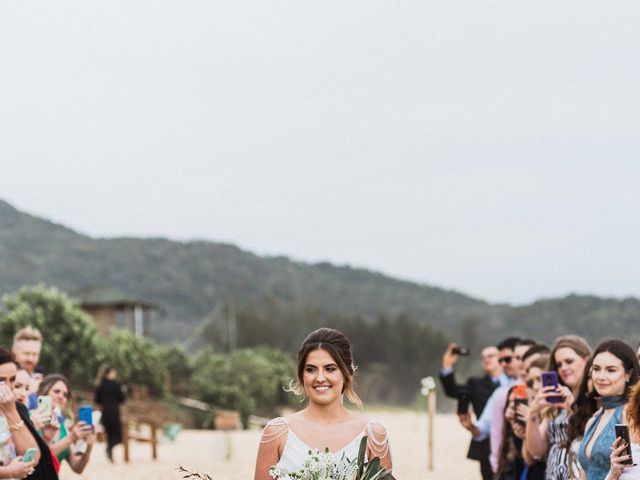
(85, 414)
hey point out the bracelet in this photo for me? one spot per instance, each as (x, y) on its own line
(17, 426)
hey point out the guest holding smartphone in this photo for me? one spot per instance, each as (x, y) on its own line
(475, 391)
(549, 414)
(59, 439)
(614, 372)
(21, 387)
(621, 469)
(19, 435)
(512, 464)
(583, 408)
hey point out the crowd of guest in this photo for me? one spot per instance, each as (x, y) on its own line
(39, 422)
(559, 413)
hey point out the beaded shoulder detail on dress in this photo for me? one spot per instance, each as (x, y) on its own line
(377, 438)
(274, 429)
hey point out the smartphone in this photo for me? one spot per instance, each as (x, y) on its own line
(45, 408)
(463, 404)
(85, 414)
(29, 455)
(550, 379)
(461, 350)
(622, 431)
(520, 398)
(57, 418)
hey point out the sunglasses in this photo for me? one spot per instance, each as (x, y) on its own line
(505, 359)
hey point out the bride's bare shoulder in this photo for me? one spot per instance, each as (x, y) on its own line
(275, 429)
(359, 418)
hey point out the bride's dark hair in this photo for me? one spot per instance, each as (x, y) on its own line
(337, 345)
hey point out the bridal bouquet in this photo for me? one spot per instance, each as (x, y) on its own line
(321, 466)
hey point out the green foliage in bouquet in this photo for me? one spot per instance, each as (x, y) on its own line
(322, 466)
(370, 470)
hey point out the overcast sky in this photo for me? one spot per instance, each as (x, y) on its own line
(489, 147)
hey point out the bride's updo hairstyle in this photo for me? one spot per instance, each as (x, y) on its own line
(337, 345)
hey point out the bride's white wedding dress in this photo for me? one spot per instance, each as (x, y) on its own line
(295, 451)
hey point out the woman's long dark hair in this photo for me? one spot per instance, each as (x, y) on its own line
(338, 346)
(628, 358)
(509, 453)
(583, 407)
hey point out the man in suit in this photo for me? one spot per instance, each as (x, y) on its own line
(476, 391)
(491, 421)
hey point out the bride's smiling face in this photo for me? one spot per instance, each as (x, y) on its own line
(323, 380)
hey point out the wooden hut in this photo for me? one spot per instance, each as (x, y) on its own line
(112, 308)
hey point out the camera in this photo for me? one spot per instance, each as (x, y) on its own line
(461, 350)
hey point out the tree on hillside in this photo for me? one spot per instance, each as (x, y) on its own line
(70, 343)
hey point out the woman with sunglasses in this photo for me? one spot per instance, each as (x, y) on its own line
(548, 418)
(614, 372)
(530, 468)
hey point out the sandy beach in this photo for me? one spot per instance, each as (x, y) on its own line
(231, 456)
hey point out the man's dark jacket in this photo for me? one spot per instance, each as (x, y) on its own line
(478, 389)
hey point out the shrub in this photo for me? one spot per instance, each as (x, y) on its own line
(248, 380)
(70, 343)
(138, 360)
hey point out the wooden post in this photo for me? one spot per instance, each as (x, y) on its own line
(125, 440)
(431, 407)
(229, 448)
(154, 445)
(429, 390)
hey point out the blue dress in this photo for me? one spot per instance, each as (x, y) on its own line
(597, 467)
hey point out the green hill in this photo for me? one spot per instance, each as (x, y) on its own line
(189, 278)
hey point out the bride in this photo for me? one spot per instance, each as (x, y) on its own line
(324, 374)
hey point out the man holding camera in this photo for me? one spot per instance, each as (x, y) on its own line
(490, 423)
(476, 391)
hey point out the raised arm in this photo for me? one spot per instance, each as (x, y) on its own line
(447, 375)
(536, 441)
(20, 434)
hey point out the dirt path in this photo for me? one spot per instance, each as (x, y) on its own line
(207, 450)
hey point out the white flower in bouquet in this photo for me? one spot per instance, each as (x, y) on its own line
(322, 466)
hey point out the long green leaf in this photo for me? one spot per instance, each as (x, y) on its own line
(361, 451)
(373, 467)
